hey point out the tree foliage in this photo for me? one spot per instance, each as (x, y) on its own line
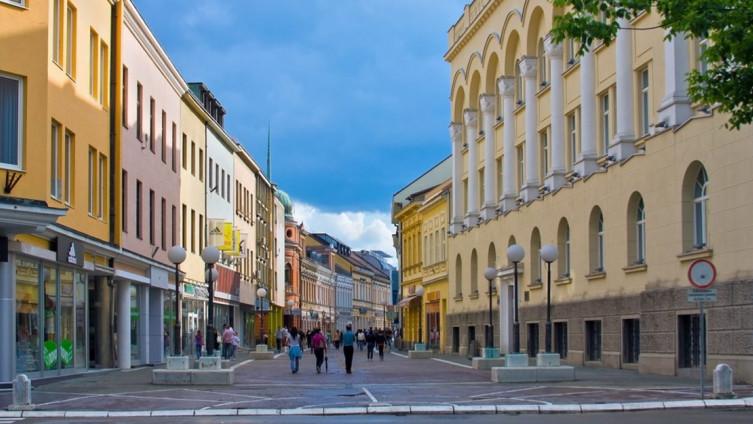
(726, 24)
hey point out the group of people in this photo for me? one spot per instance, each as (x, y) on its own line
(228, 339)
(373, 339)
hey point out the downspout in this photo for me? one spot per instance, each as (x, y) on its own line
(116, 117)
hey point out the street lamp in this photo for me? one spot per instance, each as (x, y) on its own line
(420, 294)
(515, 254)
(176, 255)
(210, 256)
(490, 274)
(261, 293)
(548, 255)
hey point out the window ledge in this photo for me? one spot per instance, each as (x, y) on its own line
(543, 89)
(20, 6)
(696, 254)
(536, 286)
(630, 269)
(570, 68)
(563, 280)
(498, 124)
(473, 295)
(458, 298)
(596, 275)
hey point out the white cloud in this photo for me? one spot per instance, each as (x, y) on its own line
(361, 230)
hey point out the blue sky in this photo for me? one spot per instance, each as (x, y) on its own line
(355, 90)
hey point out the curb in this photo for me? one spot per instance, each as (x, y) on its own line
(400, 410)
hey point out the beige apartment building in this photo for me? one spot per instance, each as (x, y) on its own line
(604, 157)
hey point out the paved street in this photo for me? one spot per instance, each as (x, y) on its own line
(394, 381)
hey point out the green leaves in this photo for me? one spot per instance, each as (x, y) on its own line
(727, 83)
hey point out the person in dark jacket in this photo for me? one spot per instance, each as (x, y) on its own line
(370, 341)
(380, 341)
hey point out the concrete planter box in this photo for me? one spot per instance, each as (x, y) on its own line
(516, 360)
(487, 363)
(419, 354)
(532, 374)
(193, 377)
(265, 355)
(209, 363)
(178, 363)
(548, 360)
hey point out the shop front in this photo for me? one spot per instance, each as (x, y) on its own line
(193, 315)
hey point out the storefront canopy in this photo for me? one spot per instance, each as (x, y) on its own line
(405, 301)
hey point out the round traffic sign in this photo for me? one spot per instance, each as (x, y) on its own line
(702, 274)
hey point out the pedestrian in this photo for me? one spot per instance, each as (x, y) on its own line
(294, 353)
(370, 341)
(235, 342)
(361, 340)
(380, 340)
(227, 341)
(308, 341)
(320, 348)
(278, 339)
(348, 340)
(198, 341)
(336, 339)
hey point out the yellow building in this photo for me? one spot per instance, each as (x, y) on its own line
(420, 211)
(604, 157)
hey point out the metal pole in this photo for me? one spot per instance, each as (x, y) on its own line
(548, 335)
(420, 330)
(490, 331)
(177, 336)
(210, 336)
(516, 324)
(703, 349)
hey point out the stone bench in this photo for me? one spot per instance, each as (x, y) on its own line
(480, 363)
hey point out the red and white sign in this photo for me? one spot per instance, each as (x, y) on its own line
(702, 274)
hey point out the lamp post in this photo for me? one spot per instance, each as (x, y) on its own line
(176, 255)
(515, 254)
(490, 274)
(210, 256)
(548, 255)
(420, 294)
(261, 293)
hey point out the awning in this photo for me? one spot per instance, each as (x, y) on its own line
(405, 301)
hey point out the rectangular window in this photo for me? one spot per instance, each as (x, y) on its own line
(521, 164)
(151, 217)
(645, 102)
(631, 340)
(606, 133)
(163, 141)
(201, 165)
(193, 231)
(104, 72)
(152, 128)
(102, 189)
(125, 97)
(163, 224)
(55, 172)
(560, 338)
(139, 112)
(174, 146)
(68, 158)
(700, 49)
(184, 226)
(544, 155)
(193, 158)
(227, 181)
(480, 195)
(92, 180)
(593, 340)
(222, 184)
(57, 30)
(124, 200)
(201, 232)
(11, 121)
(93, 63)
(185, 151)
(70, 40)
(532, 346)
(689, 341)
(572, 140)
(139, 210)
(500, 180)
(174, 224)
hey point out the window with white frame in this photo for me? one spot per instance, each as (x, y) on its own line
(605, 130)
(11, 121)
(572, 139)
(68, 158)
(521, 165)
(563, 245)
(57, 34)
(701, 45)
(70, 40)
(600, 239)
(55, 185)
(645, 106)
(700, 210)
(640, 233)
(102, 186)
(92, 180)
(542, 65)
(499, 178)
(544, 155)
(519, 94)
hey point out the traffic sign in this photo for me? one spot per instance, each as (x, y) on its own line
(701, 295)
(702, 274)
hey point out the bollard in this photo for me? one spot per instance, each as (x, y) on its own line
(723, 382)
(21, 394)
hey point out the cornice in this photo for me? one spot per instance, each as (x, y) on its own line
(471, 29)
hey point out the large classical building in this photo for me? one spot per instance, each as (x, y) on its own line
(603, 156)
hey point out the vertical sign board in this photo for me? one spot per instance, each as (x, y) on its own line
(701, 275)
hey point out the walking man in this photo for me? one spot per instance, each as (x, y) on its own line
(348, 340)
(370, 340)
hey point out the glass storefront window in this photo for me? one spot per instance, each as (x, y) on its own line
(80, 299)
(192, 316)
(50, 346)
(135, 321)
(66, 318)
(169, 321)
(28, 357)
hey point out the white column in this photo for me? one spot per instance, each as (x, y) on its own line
(556, 177)
(530, 190)
(489, 208)
(509, 193)
(144, 325)
(124, 324)
(622, 146)
(8, 317)
(675, 106)
(471, 132)
(157, 326)
(505, 306)
(586, 163)
(456, 137)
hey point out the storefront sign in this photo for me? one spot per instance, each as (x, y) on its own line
(70, 251)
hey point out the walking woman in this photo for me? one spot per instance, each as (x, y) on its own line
(319, 342)
(294, 351)
(198, 343)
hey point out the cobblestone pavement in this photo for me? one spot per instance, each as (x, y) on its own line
(394, 381)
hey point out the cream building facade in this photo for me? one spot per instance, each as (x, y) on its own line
(605, 157)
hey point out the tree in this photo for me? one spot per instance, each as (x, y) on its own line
(727, 25)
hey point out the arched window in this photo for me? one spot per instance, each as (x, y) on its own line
(474, 273)
(596, 240)
(636, 230)
(563, 245)
(535, 257)
(510, 242)
(491, 259)
(458, 277)
(541, 55)
(444, 244)
(288, 276)
(519, 98)
(695, 205)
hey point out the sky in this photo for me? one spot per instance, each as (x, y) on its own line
(355, 93)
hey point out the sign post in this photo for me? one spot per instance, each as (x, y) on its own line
(702, 275)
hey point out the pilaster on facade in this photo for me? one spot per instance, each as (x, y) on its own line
(489, 207)
(530, 189)
(675, 108)
(470, 117)
(586, 164)
(556, 177)
(506, 86)
(456, 138)
(623, 144)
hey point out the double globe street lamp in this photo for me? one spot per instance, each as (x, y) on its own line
(210, 256)
(515, 254)
(261, 293)
(548, 254)
(176, 255)
(490, 274)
